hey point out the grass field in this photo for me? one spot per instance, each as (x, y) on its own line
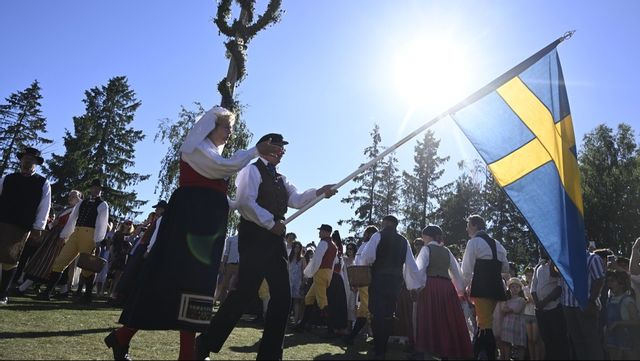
(37, 330)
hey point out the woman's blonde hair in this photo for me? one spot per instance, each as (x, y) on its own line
(226, 117)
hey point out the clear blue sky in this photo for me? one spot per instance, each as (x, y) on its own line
(322, 76)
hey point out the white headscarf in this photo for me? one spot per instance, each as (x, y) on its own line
(202, 127)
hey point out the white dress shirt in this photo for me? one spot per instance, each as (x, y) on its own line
(316, 261)
(543, 284)
(231, 250)
(454, 270)
(413, 278)
(247, 183)
(477, 248)
(208, 161)
(102, 222)
(42, 212)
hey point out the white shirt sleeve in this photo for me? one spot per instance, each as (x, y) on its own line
(502, 257)
(102, 222)
(154, 236)
(469, 261)
(368, 256)
(70, 226)
(422, 261)
(207, 161)
(227, 247)
(455, 274)
(43, 207)
(247, 183)
(413, 278)
(298, 200)
(314, 264)
(1, 184)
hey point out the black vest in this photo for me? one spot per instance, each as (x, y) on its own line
(88, 213)
(272, 194)
(487, 274)
(390, 254)
(20, 199)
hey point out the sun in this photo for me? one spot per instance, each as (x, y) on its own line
(431, 73)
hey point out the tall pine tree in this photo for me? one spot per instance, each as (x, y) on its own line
(21, 125)
(388, 189)
(420, 191)
(363, 197)
(103, 146)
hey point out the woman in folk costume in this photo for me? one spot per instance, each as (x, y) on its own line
(38, 269)
(336, 293)
(176, 284)
(441, 328)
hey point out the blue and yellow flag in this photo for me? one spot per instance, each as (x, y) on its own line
(522, 129)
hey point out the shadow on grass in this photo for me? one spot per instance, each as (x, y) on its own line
(25, 304)
(246, 349)
(9, 335)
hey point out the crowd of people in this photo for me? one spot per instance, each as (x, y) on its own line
(177, 270)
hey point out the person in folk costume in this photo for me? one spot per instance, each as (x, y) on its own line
(336, 295)
(39, 268)
(263, 196)
(391, 259)
(175, 287)
(483, 264)
(362, 313)
(441, 327)
(320, 268)
(136, 258)
(352, 295)
(85, 229)
(25, 200)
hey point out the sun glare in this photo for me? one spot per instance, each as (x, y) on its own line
(430, 73)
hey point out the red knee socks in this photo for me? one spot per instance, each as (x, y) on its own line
(124, 335)
(187, 345)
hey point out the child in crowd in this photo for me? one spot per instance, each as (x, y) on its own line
(513, 335)
(622, 324)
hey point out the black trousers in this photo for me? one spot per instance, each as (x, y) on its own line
(553, 332)
(383, 299)
(262, 255)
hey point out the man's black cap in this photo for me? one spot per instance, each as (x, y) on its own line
(162, 204)
(326, 227)
(276, 139)
(31, 151)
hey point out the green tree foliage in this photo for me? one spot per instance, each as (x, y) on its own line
(363, 197)
(102, 146)
(173, 133)
(21, 125)
(610, 169)
(465, 197)
(388, 190)
(421, 194)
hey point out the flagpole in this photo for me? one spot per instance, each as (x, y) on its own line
(493, 85)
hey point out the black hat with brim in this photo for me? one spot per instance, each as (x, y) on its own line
(276, 139)
(326, 227)
(161, 204)
(31, 151)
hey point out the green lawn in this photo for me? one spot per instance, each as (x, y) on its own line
(38, 330)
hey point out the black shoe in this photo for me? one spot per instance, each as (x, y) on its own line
(119, 352)
(202, 350)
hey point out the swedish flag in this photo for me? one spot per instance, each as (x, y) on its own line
(522, 128)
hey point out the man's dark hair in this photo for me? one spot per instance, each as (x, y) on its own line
(391, 219)
(477, 221)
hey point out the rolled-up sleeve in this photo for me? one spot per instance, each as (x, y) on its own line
(42, 214)
(102, 222)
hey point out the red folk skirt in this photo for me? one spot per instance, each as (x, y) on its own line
(442, 330)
